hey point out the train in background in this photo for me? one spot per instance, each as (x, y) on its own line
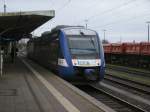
(130, 54)
(73, 52)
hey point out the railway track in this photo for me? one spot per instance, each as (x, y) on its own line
(129, 71)
(135, 87)
(110, 100)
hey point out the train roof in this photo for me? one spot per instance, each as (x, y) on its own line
(65, 26)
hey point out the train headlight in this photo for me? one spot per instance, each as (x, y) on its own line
(98, 62)
(62, 62)
(74, 62)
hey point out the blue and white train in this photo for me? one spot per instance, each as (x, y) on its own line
(72, 51)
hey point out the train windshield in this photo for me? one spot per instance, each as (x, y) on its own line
(83, 44)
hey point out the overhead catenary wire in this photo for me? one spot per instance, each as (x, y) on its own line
(118, 21)
(57, 11)
(125, 19)
(51, 3)
(63, 6)
(109, 10)
(94, 3)
(112, 9)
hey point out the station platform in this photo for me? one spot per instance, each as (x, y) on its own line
(27, 87)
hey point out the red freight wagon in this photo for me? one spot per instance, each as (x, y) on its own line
(117, 48)
(132, 48)
(107, 48)
(145, 48)
(128, 54)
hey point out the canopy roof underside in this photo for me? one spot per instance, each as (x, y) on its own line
(19, 25)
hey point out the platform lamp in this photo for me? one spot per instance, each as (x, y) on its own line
(148, 23)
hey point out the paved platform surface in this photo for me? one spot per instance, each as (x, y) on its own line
(24, 91)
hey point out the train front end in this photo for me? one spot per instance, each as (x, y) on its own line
(83, 53)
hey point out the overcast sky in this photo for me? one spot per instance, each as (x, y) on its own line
(123, 20)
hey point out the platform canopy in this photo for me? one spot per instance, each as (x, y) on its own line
(17, 25)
